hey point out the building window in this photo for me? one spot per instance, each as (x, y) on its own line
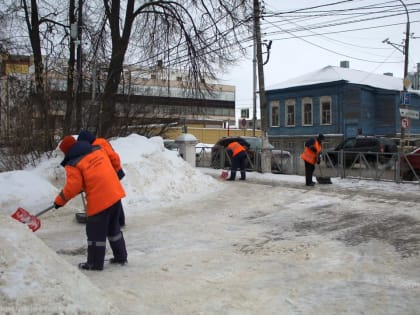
(325, 110)
(290, 113)
(307, 111)
(245, 113)
(275, 113)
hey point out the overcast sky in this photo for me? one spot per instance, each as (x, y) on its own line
(325, 40)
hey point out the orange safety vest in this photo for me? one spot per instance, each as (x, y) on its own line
(113, 156)
(310, 156)
(94, 175)
(236, 148)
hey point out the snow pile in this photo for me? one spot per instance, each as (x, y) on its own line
(154, 176)
(33, 278)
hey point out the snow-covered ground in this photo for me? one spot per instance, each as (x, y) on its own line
(200, 245)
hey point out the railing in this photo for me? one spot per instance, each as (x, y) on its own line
(362, 165)
(220, 159)
(370, 165)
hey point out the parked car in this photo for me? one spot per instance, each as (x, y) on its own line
(170, 144)
(374, 149)
(413, 159)
(279, 158)
(200, 148)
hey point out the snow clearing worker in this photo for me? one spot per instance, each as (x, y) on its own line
(85, 135)
(89, 169)
(311, 156)
(238, 154)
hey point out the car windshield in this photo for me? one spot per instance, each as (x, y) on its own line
(256, 143)
(349, 144)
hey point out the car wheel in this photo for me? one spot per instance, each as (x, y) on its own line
(409, 175)
(215, 163)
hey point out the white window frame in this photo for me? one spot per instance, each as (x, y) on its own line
(290, 103)
(307, 101)
(275, 121)
(322, 111)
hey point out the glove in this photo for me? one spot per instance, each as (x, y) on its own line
(318, 161)
(120, 174)
(312, 149)
(56, 206)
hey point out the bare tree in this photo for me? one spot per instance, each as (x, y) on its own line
(193, 36)
(200, 33)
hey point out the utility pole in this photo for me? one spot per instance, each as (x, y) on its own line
(261, 88)
(254, 87)
(266, 153)
(406, 82)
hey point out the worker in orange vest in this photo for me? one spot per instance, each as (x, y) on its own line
(114, 157)
(89, 169)
(238, 154)
(311, 156)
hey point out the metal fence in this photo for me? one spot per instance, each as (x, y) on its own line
(281, 163)
(370, 165)
(362, 165)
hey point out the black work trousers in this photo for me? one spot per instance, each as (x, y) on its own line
(238, 161)
(98, 228)
(309, 172)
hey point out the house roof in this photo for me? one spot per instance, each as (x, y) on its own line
(333, 74)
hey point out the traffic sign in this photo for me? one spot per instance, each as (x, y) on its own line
(407, 83)
(414, 114)
(405, 98)
(243, 123)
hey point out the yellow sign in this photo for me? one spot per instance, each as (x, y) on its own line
(407, 83)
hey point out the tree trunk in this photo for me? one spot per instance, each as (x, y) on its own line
(107, 102)
(43, 105)
(68, 118)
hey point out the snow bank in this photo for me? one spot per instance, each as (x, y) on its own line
(35, 280)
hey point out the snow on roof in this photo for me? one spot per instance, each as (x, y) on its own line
(333, 74)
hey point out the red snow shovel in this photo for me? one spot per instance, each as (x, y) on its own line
(32, 221)
(224, 174)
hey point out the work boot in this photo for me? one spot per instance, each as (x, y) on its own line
(86, 266)
(230, 178)
(120, 261)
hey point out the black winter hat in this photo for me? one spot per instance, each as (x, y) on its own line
(321, 137)
(85, 135)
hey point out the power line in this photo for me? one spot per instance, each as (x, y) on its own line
(291, 32)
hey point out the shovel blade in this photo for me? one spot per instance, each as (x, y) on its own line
(30, 220)
(224, 174)
(323, 180)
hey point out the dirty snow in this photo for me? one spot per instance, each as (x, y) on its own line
(199, 245)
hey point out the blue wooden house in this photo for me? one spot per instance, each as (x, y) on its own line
(340, 103)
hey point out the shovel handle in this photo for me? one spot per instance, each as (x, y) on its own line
(45, 210)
